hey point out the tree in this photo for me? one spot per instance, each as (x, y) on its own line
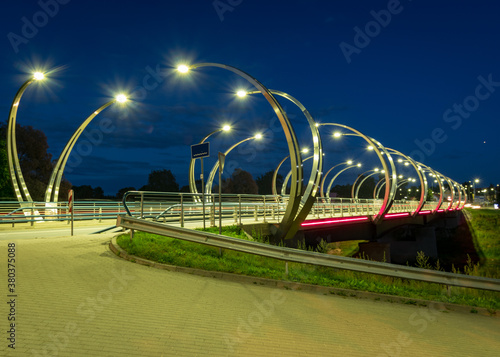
(36, 163)
(88, 192)
(122, 191)
(6, 190)
(161, 181)
(264, 182)
(240, 182)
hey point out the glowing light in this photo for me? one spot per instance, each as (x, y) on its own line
(305, 150)
(241, 93)
(349, 162)
(122, 98)
(370, 147)
(396, 215)
(183, 68)
(334, 221)
(226, 128)
(337, 134)
(38, 76)
(258, 136)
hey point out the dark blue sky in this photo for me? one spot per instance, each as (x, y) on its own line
(422, 77)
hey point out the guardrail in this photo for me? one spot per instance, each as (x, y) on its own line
(306, 257)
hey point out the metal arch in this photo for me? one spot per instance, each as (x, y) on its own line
(52, 191)
(211, 177)
(354, 196)
(441, 192)
(464, 191)
(16, 174)
(287, 178)
(321, 190)
(192, 179)
(275, 176)
(423, 180)
(337, 175)
(452, 191)
(311, 190)
(287, 228)
(377, 147)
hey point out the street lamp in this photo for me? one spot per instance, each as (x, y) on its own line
(192, 179)
(387, 164)
(16, 174)
(337, 175)
(208, 187)
(52, 191)
(354, 195)
(289, 225)
(308, 198)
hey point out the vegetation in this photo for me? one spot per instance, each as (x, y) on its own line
(177, 252)
(485, 226)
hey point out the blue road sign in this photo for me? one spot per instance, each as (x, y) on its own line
(200, 150)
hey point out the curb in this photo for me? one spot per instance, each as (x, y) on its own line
(325, 290)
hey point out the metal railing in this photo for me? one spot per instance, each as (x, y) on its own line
(307, 257)
(182, 207)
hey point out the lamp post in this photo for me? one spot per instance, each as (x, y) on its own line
(309, 195)
(288, 227)
(52, 191)
(275, 174)
(337, 175)
(322, 188)
(387, 165)
(16, 175)
(354, 194)
(192, 179)
(208, 187)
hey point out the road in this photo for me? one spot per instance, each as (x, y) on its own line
(74, 297)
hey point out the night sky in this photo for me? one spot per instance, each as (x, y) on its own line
(422, 77)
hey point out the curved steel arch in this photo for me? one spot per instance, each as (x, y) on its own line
(211, 176)
(288, 227)
(192, 179)
(275, 176)
(312, 186)
(321, 190)
(329, 188)
(287, 178)
(422, 179)
(16, 174)
(354, 195)
(378, 148)
(52, 191)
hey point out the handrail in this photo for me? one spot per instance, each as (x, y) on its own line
(306, 257)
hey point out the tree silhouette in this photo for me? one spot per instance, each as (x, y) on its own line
(161, 181)
(240, 182)
(264, 182)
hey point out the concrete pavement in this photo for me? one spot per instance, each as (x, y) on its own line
(76, 298)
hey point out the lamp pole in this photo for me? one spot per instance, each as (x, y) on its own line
(16, 174)
(52, 191)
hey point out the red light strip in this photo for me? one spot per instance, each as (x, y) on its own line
(333, 221)
(425, 212)
(440, 210)
(395, 215)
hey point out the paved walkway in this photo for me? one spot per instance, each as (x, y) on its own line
(75, 298)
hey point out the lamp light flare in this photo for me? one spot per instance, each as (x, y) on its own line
(258, 136)
(241, 93)
(183, 68)
(226, 128)
(337, 134)
(305, 150)
(38, 76)
(122, 98)
(349, 162)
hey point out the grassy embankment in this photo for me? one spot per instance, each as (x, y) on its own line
(177, 252)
